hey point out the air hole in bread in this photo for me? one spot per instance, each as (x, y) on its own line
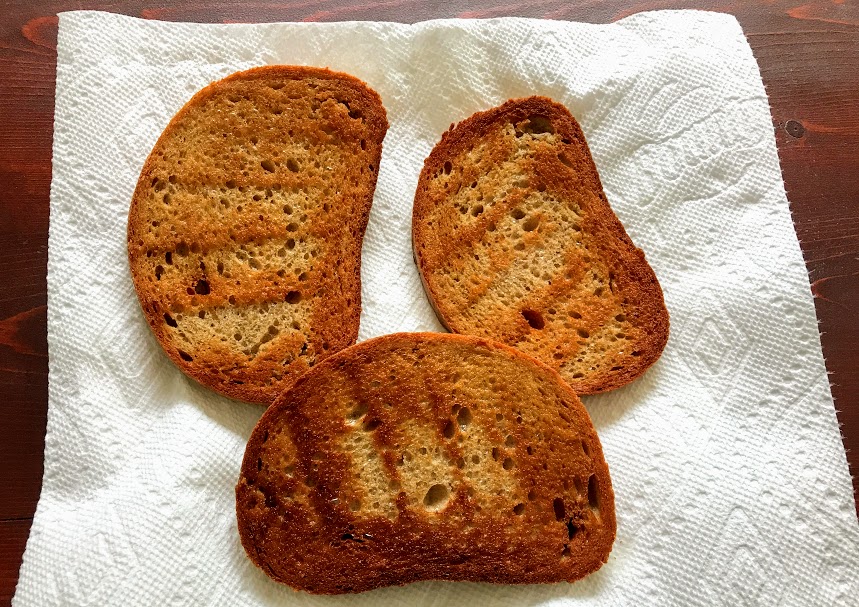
(510, 441)
(517, 214)
(292, 227)
(292, 165)
(159, 270)
(355, 113)
(519, 508)
(563, 158)
(185, 356)
(636, 353)
(436, 497)
(449, 429)
(583, 333)
(534, 318)
(477, 210)
(170, 320)
(232, 300)
(537, 125)
(508, 463)
(447, 167)
(558, 507)
(531, 224)
(202, 287)
(293, 297)
(463, 417)
(593, 494)
(572, 529)
(499, 417)
(269, 166)
(496, 453)
(371, 425)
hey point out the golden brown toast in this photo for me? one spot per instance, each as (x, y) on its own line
(245, 230)
(419, 456)
(515, 241)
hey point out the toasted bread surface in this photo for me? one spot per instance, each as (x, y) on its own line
(419, 456)
(245, 229)
(515, 241)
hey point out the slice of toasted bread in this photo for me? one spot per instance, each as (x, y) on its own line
(245, 230)
(419, 456)
(515, 241)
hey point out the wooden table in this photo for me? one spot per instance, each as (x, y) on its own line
(808, 52)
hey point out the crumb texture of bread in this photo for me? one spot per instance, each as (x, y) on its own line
(245, 229)
(419, 456)
(515, 241)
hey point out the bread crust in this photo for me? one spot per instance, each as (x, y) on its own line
(333, 495)
(258, 370)
(562, 167)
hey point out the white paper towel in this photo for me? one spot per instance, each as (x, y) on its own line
(731, 480)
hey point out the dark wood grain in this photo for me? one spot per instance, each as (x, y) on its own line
(807, 50)
(13, 538)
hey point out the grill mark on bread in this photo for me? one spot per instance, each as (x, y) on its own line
(247, 273)
(256, 196)
(238, 218)
(520, 518)
(537, 292)
(556, 269)
(376, 431)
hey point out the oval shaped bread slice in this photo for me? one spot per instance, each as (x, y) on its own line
(515, 241)
(419, 456)
(245, 230)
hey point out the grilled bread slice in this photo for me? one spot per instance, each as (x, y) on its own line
(245, 230)
(419, 456)
(515, 241)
